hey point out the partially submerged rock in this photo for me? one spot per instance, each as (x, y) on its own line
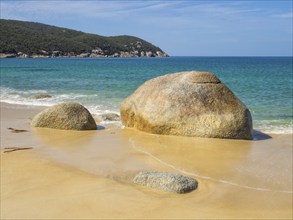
(189, 104)
(107, 117)
(41, 96)
(170, 182)
(67, 116)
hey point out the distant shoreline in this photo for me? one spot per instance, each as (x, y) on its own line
(84, 55)
(11, 55)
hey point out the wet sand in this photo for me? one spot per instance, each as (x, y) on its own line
(87, 174)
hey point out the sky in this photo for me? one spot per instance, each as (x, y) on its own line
(179, 27)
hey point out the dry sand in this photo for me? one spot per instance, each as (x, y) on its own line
(87, 174)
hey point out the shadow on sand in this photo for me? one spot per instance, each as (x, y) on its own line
(100, 127)
(259, 136)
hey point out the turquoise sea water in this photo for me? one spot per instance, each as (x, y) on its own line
(264, 84)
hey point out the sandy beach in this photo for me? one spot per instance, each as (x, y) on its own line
(88, 174)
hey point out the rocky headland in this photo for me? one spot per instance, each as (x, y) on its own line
(95, 53)
(20, 39)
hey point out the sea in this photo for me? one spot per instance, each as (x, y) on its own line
(264, 84)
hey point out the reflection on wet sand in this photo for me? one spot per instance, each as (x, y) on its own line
(97, 152)
(114, 151)
(232, 162)
(64, 139)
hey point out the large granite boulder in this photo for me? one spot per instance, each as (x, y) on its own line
(67, 116)
(189, 104)
(170, 182)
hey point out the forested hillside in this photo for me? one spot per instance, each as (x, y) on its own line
(30, 39)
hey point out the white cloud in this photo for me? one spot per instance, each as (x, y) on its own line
(217, 9)
(284, 15)
(11, 9)
(169, 10)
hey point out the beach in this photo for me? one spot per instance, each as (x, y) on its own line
(88, 174)
(146, 110)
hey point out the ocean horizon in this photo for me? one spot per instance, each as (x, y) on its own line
(263, 84)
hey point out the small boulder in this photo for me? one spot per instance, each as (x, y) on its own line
(188, 104)
(67, 116)
(41, 96)
(170, 182)
(107, 117)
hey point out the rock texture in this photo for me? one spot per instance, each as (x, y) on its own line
(67, 116)
(189, 104)
(170, 182)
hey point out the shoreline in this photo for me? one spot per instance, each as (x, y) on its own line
(84, 55)
(257, 133)
(88, 173)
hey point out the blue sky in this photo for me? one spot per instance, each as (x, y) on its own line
(181, 28)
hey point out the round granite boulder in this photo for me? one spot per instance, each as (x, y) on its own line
(188, 104)
(67, 116)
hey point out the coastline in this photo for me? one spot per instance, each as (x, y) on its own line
(87, 174)
(85, 55)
